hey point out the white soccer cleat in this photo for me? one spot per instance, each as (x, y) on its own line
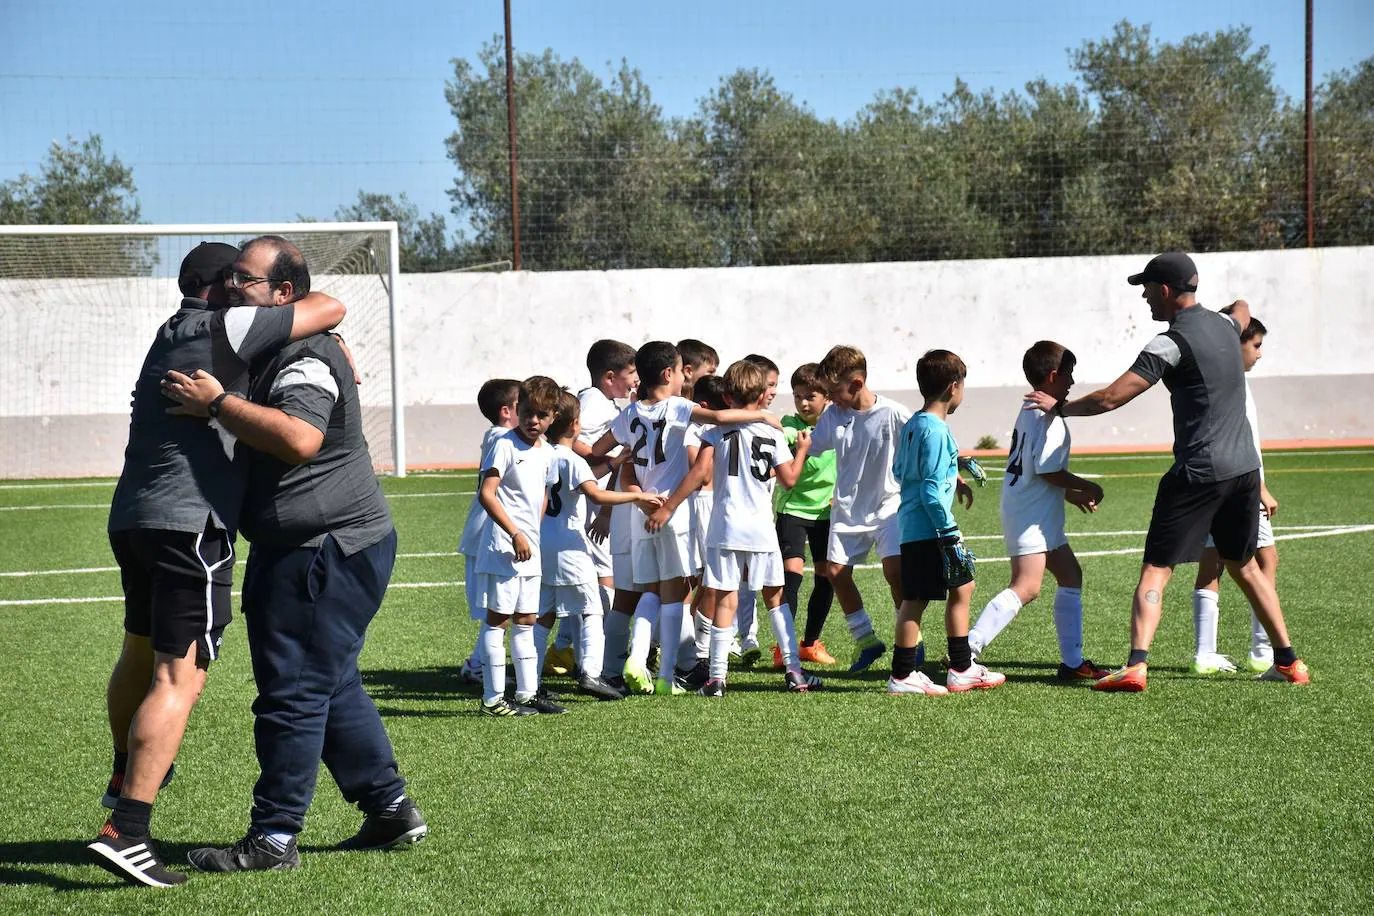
(975, 677)
(1260, 661)
(915, 682)
(1213, 663)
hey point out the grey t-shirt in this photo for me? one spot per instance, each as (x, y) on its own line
(1200, 362)
(336, 492)
(178, 470)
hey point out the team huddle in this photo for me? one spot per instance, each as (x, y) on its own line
(705, 502)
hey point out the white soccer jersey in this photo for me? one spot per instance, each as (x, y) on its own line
(525, 471)
(865, 443)
(1252, 416)
(742, 510)
(597, 414)
(1040, 444)
(654, 434)
(472, 526)
(563, 544)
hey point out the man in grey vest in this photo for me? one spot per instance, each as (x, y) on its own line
(1213, 486)
(323, 550)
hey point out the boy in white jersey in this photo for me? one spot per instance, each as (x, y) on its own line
(747, 619)
(742, 459)
(496, 400)
(1261, 658)
(568, 588)
(1037, 485)
(515, 477)
(653, 429)
(863, 429)
(692, 670)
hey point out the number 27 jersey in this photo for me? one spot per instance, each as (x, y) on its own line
(742, 512)
(654, 435)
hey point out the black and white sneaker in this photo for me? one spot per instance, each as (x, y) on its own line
(598, 688)
(799, 681)
(697, 677)
(617, 683)
(116, 786)
(255, 852)
(504, 708)
(135, 859)
(389, 830)
(542, 705)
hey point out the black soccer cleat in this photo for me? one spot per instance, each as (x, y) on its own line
(617, 684)
(252, 853)
(697, 677)
(714, 688)
(542, 705)
(598, 688)
(389, 830)
(116, 786)
(135, 859)
(504, 708)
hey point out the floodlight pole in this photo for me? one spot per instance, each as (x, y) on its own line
(514, 155)
(1309, 193)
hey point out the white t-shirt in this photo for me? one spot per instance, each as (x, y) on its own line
(655, 435)
(865, 444)
(1252, 417)
(1040, 444)
(563, 544)
(525, 471)
(741, 470)
(472, 527)
(598, 412)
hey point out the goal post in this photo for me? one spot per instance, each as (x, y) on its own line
(79, 306)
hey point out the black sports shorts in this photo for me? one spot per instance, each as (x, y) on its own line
(794, 533)
(923, 572)
(1185, 513)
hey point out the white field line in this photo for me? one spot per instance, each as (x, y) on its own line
(58, 486)
(1125, 551)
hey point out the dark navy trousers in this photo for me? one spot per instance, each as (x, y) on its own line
(307, 611)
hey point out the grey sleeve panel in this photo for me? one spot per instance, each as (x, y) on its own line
(305, 389)
(1159, 356)
(251, 332)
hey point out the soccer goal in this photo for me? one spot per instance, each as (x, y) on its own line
(79, 306)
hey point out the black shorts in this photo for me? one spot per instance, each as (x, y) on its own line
(1185, 513)
(795, 533)
(923, 572)
(176, 587)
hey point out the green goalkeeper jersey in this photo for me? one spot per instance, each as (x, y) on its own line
(810, 498)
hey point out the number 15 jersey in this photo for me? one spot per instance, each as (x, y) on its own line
(1039, 445)
(745, 456)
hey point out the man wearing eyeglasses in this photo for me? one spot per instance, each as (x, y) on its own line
(323, 549)
(172, 525)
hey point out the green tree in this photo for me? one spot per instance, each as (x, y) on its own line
(424, 241)
(1343, 133)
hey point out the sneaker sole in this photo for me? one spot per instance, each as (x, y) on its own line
(103, 856)
(409, 838)
(965, 688)
(1121, 688)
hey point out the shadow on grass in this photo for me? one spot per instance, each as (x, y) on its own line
(420, 684)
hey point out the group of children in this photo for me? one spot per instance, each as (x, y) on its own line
(705, 501)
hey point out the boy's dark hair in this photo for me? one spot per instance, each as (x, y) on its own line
(696, 353)
(937, 370)
(841, 364)
(651, 359)
(806, 378)
(564, 415)
(609, 356)
(745, 382)
(1252, 330)
(763, 362)
(497, 393)
(1044, 357)
(709, 390)
(540, 394)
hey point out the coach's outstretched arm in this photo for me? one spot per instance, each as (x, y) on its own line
(1122, 391)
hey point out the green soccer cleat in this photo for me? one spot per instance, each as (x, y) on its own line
(637, 677)
(671, 688)
(1211, 663)
(869, 649)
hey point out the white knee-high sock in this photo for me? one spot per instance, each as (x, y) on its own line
(617, 627)
(607, 598)
(541, 644)
(1068, 624)
(526, 660)
(746, 617)
(493, 641)
(996, 614)
(859, 623)
(1205, 620)
(643, 626)
(567, 634)
(593, 648)
(474, 662)
(785, 632)
(1259, 639)
(720, 650)
(669, 638)
(703, 634)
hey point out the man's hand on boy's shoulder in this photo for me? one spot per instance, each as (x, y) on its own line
(1040, 400)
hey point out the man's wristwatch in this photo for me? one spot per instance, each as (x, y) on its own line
(213, 407)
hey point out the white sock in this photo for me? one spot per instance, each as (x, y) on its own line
(993, 619)
(785, 632)
(526, 660)
(1068, 624)
(493, 640)
(643, 626)
(593, 644)
(1205, 620)
(617, 627)
(474, 661)
(703, 634)
(687, 640)
(279, 839)
(607, 598)
(1259, 639)
(859, 624)
(720, 650)
(746, 615)
(567, 634)
(541, 644)
(669, 639)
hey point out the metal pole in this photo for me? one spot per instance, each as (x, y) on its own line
(1308, 169)
(398, 407)
(514, 155)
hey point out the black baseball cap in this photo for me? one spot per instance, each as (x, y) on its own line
(205, 265)
(1173, 268)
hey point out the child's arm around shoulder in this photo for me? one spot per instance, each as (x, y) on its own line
(789, 472)
(696, 476)
(734, 415)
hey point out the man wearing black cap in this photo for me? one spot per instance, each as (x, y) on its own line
(172, 526)
(1213, 486)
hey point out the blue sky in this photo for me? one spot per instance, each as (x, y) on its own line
(257, 111)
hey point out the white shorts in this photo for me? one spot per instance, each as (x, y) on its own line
(508, 594)
(622, 573)
(601, 557)
(726, 569)
(1266, 534)
(568, 600)
(701, 503)
(1026, 536)
(475, 609)
(851, 547)
(665, 554)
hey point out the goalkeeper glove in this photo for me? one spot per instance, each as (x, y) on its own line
(959, 561)
(972, 468)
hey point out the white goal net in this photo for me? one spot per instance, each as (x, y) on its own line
(79, 306)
